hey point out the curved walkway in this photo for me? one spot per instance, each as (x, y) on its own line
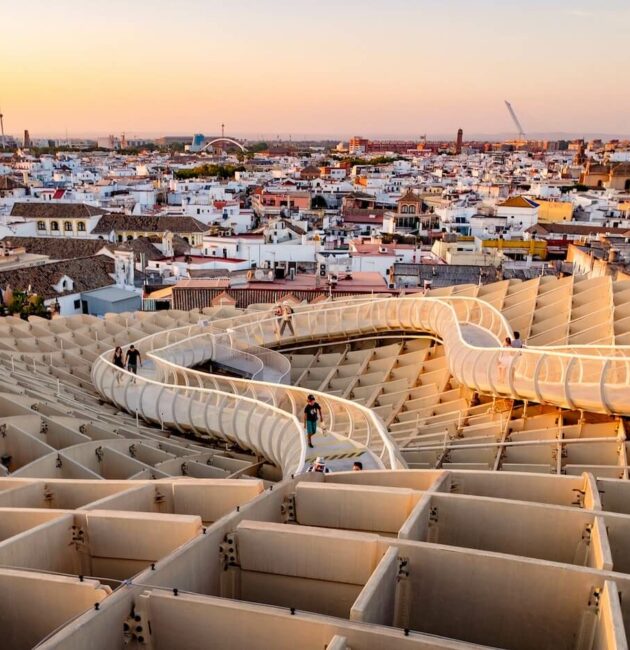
(263, 414)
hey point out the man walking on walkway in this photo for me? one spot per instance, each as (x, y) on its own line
(133, 358)
(312, 413)
(287, 318)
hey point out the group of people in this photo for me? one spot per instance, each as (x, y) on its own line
(506, 356)
(130, 360)
(320, 466)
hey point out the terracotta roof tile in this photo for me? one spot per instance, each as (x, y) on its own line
(146, 223)
(56, 210)
(87, 273)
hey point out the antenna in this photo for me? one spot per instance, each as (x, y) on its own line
(521, 133)
(2, 127)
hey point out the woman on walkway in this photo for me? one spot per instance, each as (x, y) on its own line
(118, 361)
(504, 359)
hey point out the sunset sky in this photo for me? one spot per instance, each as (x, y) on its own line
(331, 67)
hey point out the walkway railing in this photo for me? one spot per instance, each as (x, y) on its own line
(471, 330)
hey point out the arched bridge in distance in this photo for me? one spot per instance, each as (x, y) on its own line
(223, 139)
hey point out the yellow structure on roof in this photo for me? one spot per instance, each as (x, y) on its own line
(534, 247)
(554, 211)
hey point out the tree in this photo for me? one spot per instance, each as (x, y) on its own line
(24, 305)
(206, 171)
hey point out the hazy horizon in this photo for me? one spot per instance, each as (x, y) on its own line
(400, 68)
(297, 137)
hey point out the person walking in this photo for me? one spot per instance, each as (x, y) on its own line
(319, 466)
(132, 359)
(357, 466)
(277, 312)
(504, 358)
(287, 318)
(517, 342)
(118, 361)
(312, 414)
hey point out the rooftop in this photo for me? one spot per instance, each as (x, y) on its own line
(87, 273)
(144, 223)
(55, 210)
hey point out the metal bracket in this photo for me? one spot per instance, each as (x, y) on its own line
(433, 515)
(79, 538)
(586, 534)
(403, 568)
(43, 427)
(132, 451)
(228, 552)
(579, 498)
(287, 509)
(593, 599)
(135, 628)
(100, 452)
(159, 497)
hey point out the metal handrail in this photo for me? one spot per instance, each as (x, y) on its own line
(545, 375)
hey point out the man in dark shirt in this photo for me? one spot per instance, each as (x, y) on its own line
(312, 413)
(132, 359)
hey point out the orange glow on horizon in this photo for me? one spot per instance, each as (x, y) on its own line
(269, 66)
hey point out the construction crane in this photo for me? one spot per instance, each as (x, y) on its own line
(521, 133)
(2, 127)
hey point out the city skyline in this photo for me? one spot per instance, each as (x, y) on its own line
(373, 68)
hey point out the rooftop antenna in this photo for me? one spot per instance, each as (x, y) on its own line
(222, 130)
(521, 133)
(2, 127)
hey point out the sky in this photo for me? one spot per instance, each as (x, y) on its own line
(335, 68)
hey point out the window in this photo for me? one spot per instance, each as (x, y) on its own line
(119, 239)
(54, 225)
(41, 225)
(129, 237)
(404, 209)
(67, 226)
(412, 209)
(77, 304)
(81, 226)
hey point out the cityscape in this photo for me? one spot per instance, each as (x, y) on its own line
(315, 326)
